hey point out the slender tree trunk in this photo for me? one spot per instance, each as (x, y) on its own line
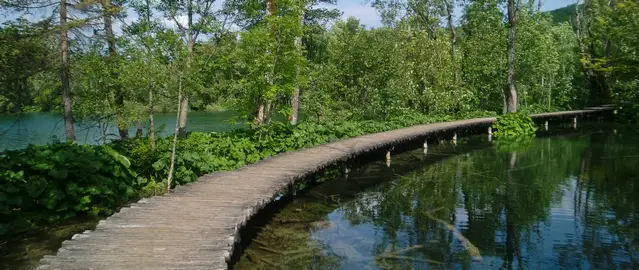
(552, 81)
(263, 105)
(295, 105)
(511, 92)
(175, 137)
(151, 120)
(67, 99)
(450, 6)
(184, 102)
(108, 11)
(503, 95)
(184, 110)
(260, 117)
(139, 132)
(295, 98)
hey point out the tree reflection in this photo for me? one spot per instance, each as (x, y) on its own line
(562, 202)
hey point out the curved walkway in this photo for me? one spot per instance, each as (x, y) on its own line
(197, 225)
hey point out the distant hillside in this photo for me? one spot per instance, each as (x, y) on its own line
(564, 14)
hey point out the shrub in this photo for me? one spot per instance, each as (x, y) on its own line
(514, 125)
(42, 184)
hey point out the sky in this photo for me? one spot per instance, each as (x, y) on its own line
(368, 16)
(360, 9)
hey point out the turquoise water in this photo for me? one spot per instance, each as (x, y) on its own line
(561, 202)
(17, 131)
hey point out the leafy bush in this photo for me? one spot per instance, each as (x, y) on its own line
(514, 125)
(42, 184)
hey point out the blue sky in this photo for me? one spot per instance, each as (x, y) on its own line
(360, 9)
(367, 15)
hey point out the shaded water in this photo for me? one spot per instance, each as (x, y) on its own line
(563, 202)
(24, 250)
(17, 131)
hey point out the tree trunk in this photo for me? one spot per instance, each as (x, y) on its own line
(295, 106)
(259, 118)
(184, 110)
(450, 9)
(139, 132)
(184, 103)
(175, 137)
(263, 106)
(552, 81)
(511, 91)
(108, 11)
(151, 120)
(67, 100)
(295, 98)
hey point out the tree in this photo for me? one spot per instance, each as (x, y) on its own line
(450, 9)
(591, 22)
(200, 18)
(484, 63)
(606, 40)
(108, 12)
(25, 57)
(64, 27)
(510, 100)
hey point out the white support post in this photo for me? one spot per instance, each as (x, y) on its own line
(574, 123)
(546, 125)
(388, 155)
(490, 130)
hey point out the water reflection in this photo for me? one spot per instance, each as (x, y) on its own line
(565, 202)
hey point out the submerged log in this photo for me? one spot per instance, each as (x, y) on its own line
(472, 250)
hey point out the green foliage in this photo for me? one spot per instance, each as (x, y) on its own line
(43, 184)
(514, 125)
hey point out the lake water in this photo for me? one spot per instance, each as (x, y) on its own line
(17, 131)
(562, 202)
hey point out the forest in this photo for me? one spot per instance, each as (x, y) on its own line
(120, 62)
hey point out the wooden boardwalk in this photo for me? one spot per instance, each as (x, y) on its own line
(197, 225)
